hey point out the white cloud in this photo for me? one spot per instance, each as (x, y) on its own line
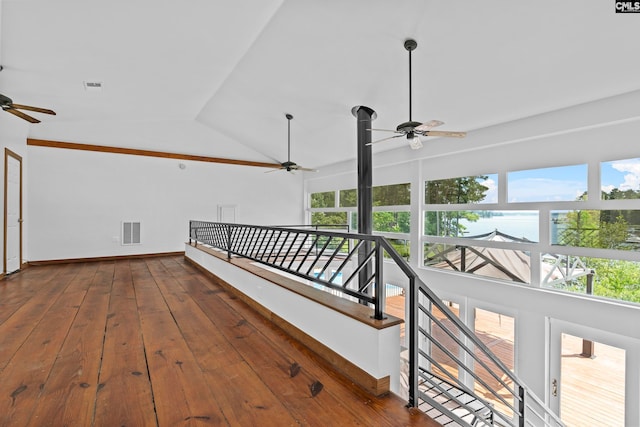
(631, 169)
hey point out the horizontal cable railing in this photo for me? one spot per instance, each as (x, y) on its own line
(451, 370)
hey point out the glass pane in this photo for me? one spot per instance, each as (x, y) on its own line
(620, 179)
(401, 246)
(510, 225)
(615, 279)
(592, 376)
(610, 229)
(328, 218)
(504, 264)
(566, 183)
(392, 222)
(470, 189)
(392, 195)
(323, 200)
(497, 332)
(348, 198)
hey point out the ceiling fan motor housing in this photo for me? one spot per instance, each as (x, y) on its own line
(5, 101)
(407, 126)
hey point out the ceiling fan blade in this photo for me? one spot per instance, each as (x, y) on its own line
(385, 130)
(22, 115)
(445, 133)
(385, 139)
(276, 169)
(36, 109)
(429, 125)
(307, 169)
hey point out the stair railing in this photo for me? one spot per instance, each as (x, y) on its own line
(443, 351)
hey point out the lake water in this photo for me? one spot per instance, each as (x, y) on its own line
(521, 224)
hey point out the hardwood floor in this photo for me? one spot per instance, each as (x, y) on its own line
(153, 342)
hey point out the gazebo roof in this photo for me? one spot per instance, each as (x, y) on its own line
(507, 264)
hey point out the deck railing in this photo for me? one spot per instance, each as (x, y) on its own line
(451, 371)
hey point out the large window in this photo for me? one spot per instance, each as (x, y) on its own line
(391, 215)
(538, 209)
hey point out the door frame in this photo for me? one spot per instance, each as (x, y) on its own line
(8, 153)
(632, 363)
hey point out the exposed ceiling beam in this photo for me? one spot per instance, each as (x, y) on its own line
(148, 153)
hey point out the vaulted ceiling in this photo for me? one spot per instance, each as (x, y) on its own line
(224, 73)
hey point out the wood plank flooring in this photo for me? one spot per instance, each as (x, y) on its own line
(153, 342)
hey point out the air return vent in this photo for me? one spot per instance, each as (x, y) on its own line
(130, 233)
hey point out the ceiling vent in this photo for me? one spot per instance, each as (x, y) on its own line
(92, 86)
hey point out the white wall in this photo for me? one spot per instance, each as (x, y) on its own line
(77, 200)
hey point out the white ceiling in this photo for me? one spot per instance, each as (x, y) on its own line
(237, 66)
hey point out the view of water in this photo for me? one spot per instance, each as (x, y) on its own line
(516, 224)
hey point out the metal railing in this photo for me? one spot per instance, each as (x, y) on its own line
(320, 256)
(450, 369)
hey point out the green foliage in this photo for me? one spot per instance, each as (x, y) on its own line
(455, 190)
(594, 229)
(323, 200)
(615, 279)
(348, 198)
(392, 222)
(448, 191)
(392, 195)
(328, 218)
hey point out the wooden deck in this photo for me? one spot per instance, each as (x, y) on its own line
(587, 383)
(154, 342)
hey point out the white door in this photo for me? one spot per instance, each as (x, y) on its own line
(227, 213)
(13, 212)
(588, 374)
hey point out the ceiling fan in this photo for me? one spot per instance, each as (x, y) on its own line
(7, 105)
(412, 129)
(290, 166)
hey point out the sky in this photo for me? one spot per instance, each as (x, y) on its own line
(564, 183)
(621, 174)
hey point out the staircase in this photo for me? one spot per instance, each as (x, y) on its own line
(451, 406)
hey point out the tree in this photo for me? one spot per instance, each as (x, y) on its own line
(452, 191)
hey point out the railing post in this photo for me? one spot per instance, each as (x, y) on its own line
(521, 406)
(380, 289)
(412, 329)
(228, 242)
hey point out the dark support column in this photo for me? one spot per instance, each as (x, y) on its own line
(588, 348)
(365, 116)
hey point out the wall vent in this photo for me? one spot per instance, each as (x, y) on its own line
(130, 233)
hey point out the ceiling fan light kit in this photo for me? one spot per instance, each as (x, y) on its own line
(412, 130)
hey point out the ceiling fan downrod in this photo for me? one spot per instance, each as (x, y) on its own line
(289, 117)
(410, 45)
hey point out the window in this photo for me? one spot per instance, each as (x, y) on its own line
(606, 229)
(469, 189)
(323, 200)
(620, 179)
(566, 183)
(478, 224)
